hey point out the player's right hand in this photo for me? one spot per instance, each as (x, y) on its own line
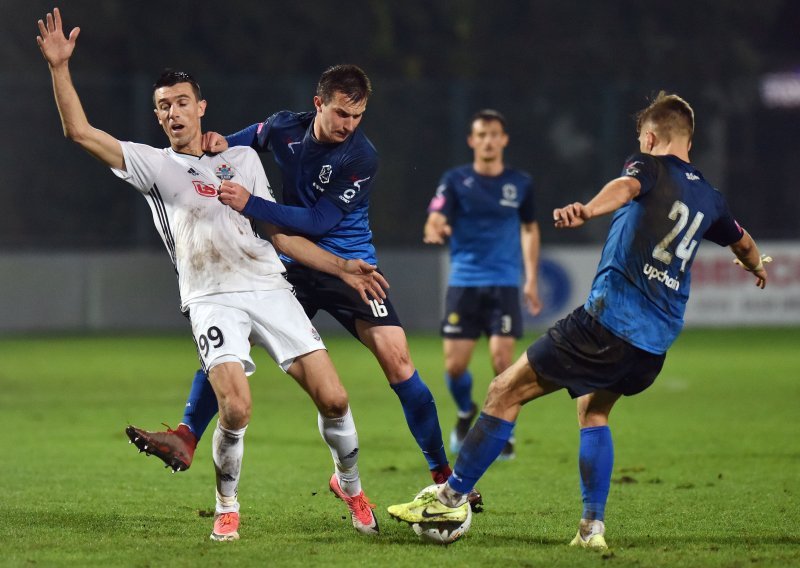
(55, 46)
(214, 143)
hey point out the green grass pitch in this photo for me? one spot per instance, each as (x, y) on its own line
(706, 472)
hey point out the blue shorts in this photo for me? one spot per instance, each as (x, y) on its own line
(473, 310)
(581, 355)
(317, 290)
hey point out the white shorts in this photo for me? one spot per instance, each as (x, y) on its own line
(225, 325)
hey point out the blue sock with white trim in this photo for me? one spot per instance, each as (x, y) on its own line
(201, 406)
(483, 444)
(422, 418)
(595, 462)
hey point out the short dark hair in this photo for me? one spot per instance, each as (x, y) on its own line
(170, 77)
(670, 113)
(349, 80)
(488, 115)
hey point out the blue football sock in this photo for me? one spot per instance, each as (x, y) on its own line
(201, 406)
(595, 462)
(461, 389)
(481, 447)
(423, 421)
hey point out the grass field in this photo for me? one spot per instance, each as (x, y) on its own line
(706, 473)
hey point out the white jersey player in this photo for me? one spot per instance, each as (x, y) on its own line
(214, 249)
(229, 280)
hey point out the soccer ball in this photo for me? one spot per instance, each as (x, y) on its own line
(443, 532)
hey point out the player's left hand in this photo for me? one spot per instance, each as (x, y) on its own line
(233, 195)
(572, 215)
(759, 271)
(365, 279)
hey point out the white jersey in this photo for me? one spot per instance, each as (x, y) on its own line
(214, 248)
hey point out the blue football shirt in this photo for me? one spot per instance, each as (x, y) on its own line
(643, 279)
(485, 213)
(342, 172)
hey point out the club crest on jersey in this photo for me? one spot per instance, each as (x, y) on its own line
(509, 195)
(224, 172)
(325, 174)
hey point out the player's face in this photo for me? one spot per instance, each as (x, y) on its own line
(179, 112)
(338, 118)
(487, 140)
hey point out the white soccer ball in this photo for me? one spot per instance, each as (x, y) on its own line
(443, 532)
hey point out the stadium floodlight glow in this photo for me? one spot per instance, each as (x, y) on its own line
(781, 90)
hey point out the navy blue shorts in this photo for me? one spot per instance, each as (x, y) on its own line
(582, 356)
(317, 290)
(473, 310)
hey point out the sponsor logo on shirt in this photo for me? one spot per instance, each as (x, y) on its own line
(509, 196)
(654, 273)
(692, 177)
(224, 172)
(204, 189)
(631, 169)
(350, 193)
(325, 174)
(193, 172)
(291, 145)
(468, 181)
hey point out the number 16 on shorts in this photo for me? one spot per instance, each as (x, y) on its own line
(378, 309)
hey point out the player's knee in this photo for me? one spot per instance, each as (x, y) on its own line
(498, 391)
(398, 366)
(455, 369)
(591, 418)
(235, 413)
(333, 404)
(500, 363)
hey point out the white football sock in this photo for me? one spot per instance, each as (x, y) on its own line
(342, 439)
(227, 449)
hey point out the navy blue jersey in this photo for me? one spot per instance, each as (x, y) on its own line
(485, 213)
(642, 282)
(341, 172)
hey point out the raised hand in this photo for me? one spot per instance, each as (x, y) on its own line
(55, 46)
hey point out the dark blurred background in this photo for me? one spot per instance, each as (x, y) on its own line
(568, 75)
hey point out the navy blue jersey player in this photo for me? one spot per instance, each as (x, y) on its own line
(328, 168)
(615, 344)
(472, 201)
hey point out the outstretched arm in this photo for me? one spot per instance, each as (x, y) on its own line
(57, 50)
(750, 258)
(312, 221)
(614, 195)
(358, 274)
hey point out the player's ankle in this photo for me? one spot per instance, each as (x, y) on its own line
(450, 497)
